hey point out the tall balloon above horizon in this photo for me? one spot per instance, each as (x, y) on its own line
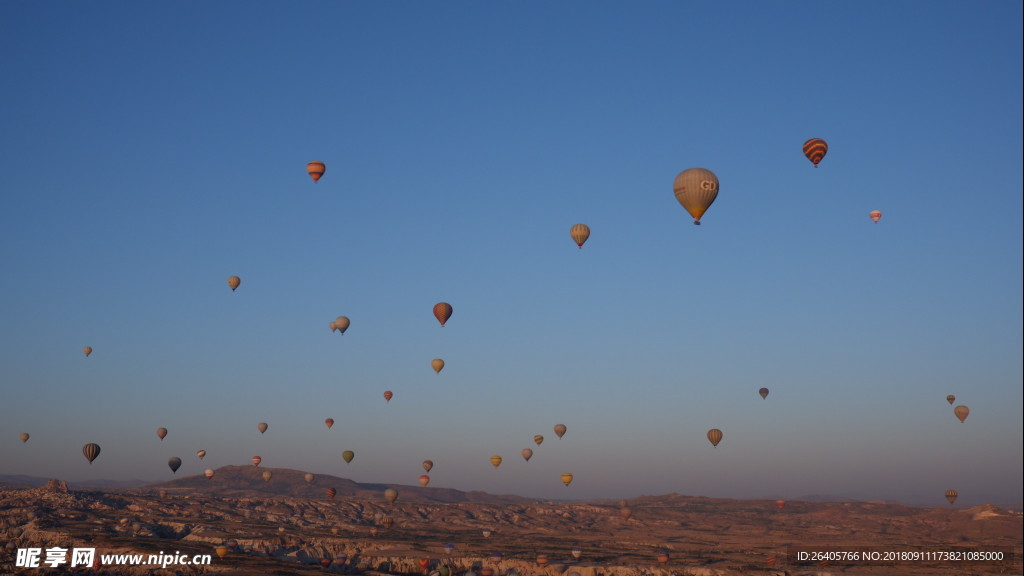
(696, 189)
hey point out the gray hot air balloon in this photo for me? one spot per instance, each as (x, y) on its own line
(696, 189)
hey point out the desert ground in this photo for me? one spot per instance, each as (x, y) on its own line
(289, 524)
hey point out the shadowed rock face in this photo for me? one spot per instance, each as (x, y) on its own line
(267, 532)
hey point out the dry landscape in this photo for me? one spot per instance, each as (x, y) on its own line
(289, 525)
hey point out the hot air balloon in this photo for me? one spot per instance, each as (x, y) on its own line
(486, 532)
(427, 465)
(341, 323)
(527, 454)
(331, 493)
(221, 551)
(162, 494)
(560, 430)
(495, 460)
(696, 189)
(576, 552)
(388, 395)
(267, 475)
(442, 311)
(347, 456)
(437, 364)
(763, 392)
(542, 559)
(391, 495)
(815, 149)
(424, 563)
(538, 439)
(387, 522)
(961, 412)
(325, 563)
(951, 495)
(951, 399)
(234, 282)
(566, 478)
(715, 436)
(316, 169)
(91, 451)
(256, 461)
(424, 480)
(201, 454)
(24, 437)
(308, 476)
(876, 215)
(780, 504)
(174, 464)
(329, 422)
(262, 427)
(663, 558)
(580, 233)
(208, 473)
(625, 513)
(161, 433)
(87, 351)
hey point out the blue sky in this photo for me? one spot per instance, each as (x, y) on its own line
(150, 151)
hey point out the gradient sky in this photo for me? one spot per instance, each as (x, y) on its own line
(150, 150)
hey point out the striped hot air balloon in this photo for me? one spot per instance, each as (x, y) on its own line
(316, 169)
(580, 233)
(951, 495)
(331, 493)
(815, 149)
(876, 215)
(91, 451)
(715, 436)
(696, 189)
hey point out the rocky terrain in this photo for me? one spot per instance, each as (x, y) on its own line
(289, 524)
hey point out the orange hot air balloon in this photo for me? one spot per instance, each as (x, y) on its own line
(580, 233)
(696, 189)
(763, 392)
(208, 473)
(341, 323)
(428, 464)
(437, 364)
(262, 427)
(316, 169)
(815, 149)
(424, 480)
(329, 422)
(715, 436)
(161, 433)
(391, 495)
(495, 460)
(780, 504)
(87, 351)
(542, 559)
(625, 512)
(527, 454)
(663, 558)
(876, 215)
(201, 454)
(950, 399)
(387, 522)
(424, 563)
(91, 451)
(951, 495)
(309, 477)
(566, 478)
(221, 551)
(331, 493)
(234, 282)
(24, 437)
(538, 439)
(256, 461)
(388, 395)
(961, 412)
(442, 311)
(560, 430)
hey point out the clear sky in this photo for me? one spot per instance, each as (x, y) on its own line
(150, 150)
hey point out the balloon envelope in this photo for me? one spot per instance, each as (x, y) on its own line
(428, 464)
(262, 427)
(815, 149)
(24, 437)
(91, 451)
(87, 350)
(951, 399)
(267, 474)
(437, 364)
(560, 430)
(442, 311)
(234, 282)
(316, 169)
(538, 439)
(424, 480)
(715, 436)
(763, 392)
(201, 454)
(208, 473)
(961, 412)
(331, 493)
(495, 460)
(308, 477)
(391, 495)
(566, 478)
(341, 323)
(696, 189)
(256, 460)
(388, 395)
(951, 495)
(329, 422)
(580, 233)
(527, 454)
(876, 215)
(174, 464)
(161, 433)
(347, 456)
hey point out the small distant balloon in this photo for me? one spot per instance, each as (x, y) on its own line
(437, 364)
(486, 532)
(331, 493)
(24, 437)
(87, 351)
(161, 433)
(174, 464)
(625, 512)
(428, 464)
(780, 504)
(221, 551)
(442, 311)
(308, 477)
(329, 422)
(234, 282)
(876, 215)
(951, 399)
(527, 454)
(391, 495)
(347, 456)
(961, 412)
(267, 475)
(256, 461)
(201, 454)
(341, 323)
(424, 480)
(538, 439)
(763, 392)
(91, 451)
(580, 233)
(663, 558)
(951, 495)
(316, 170)
(815, 149)
(566, 478)
(388, 395)
(495, 460)
(208, 473)
(262, 427)
(715, 436)
(696, 189)
(560, 430)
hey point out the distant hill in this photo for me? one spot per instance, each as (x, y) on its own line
(247, 481)
(22, 481)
